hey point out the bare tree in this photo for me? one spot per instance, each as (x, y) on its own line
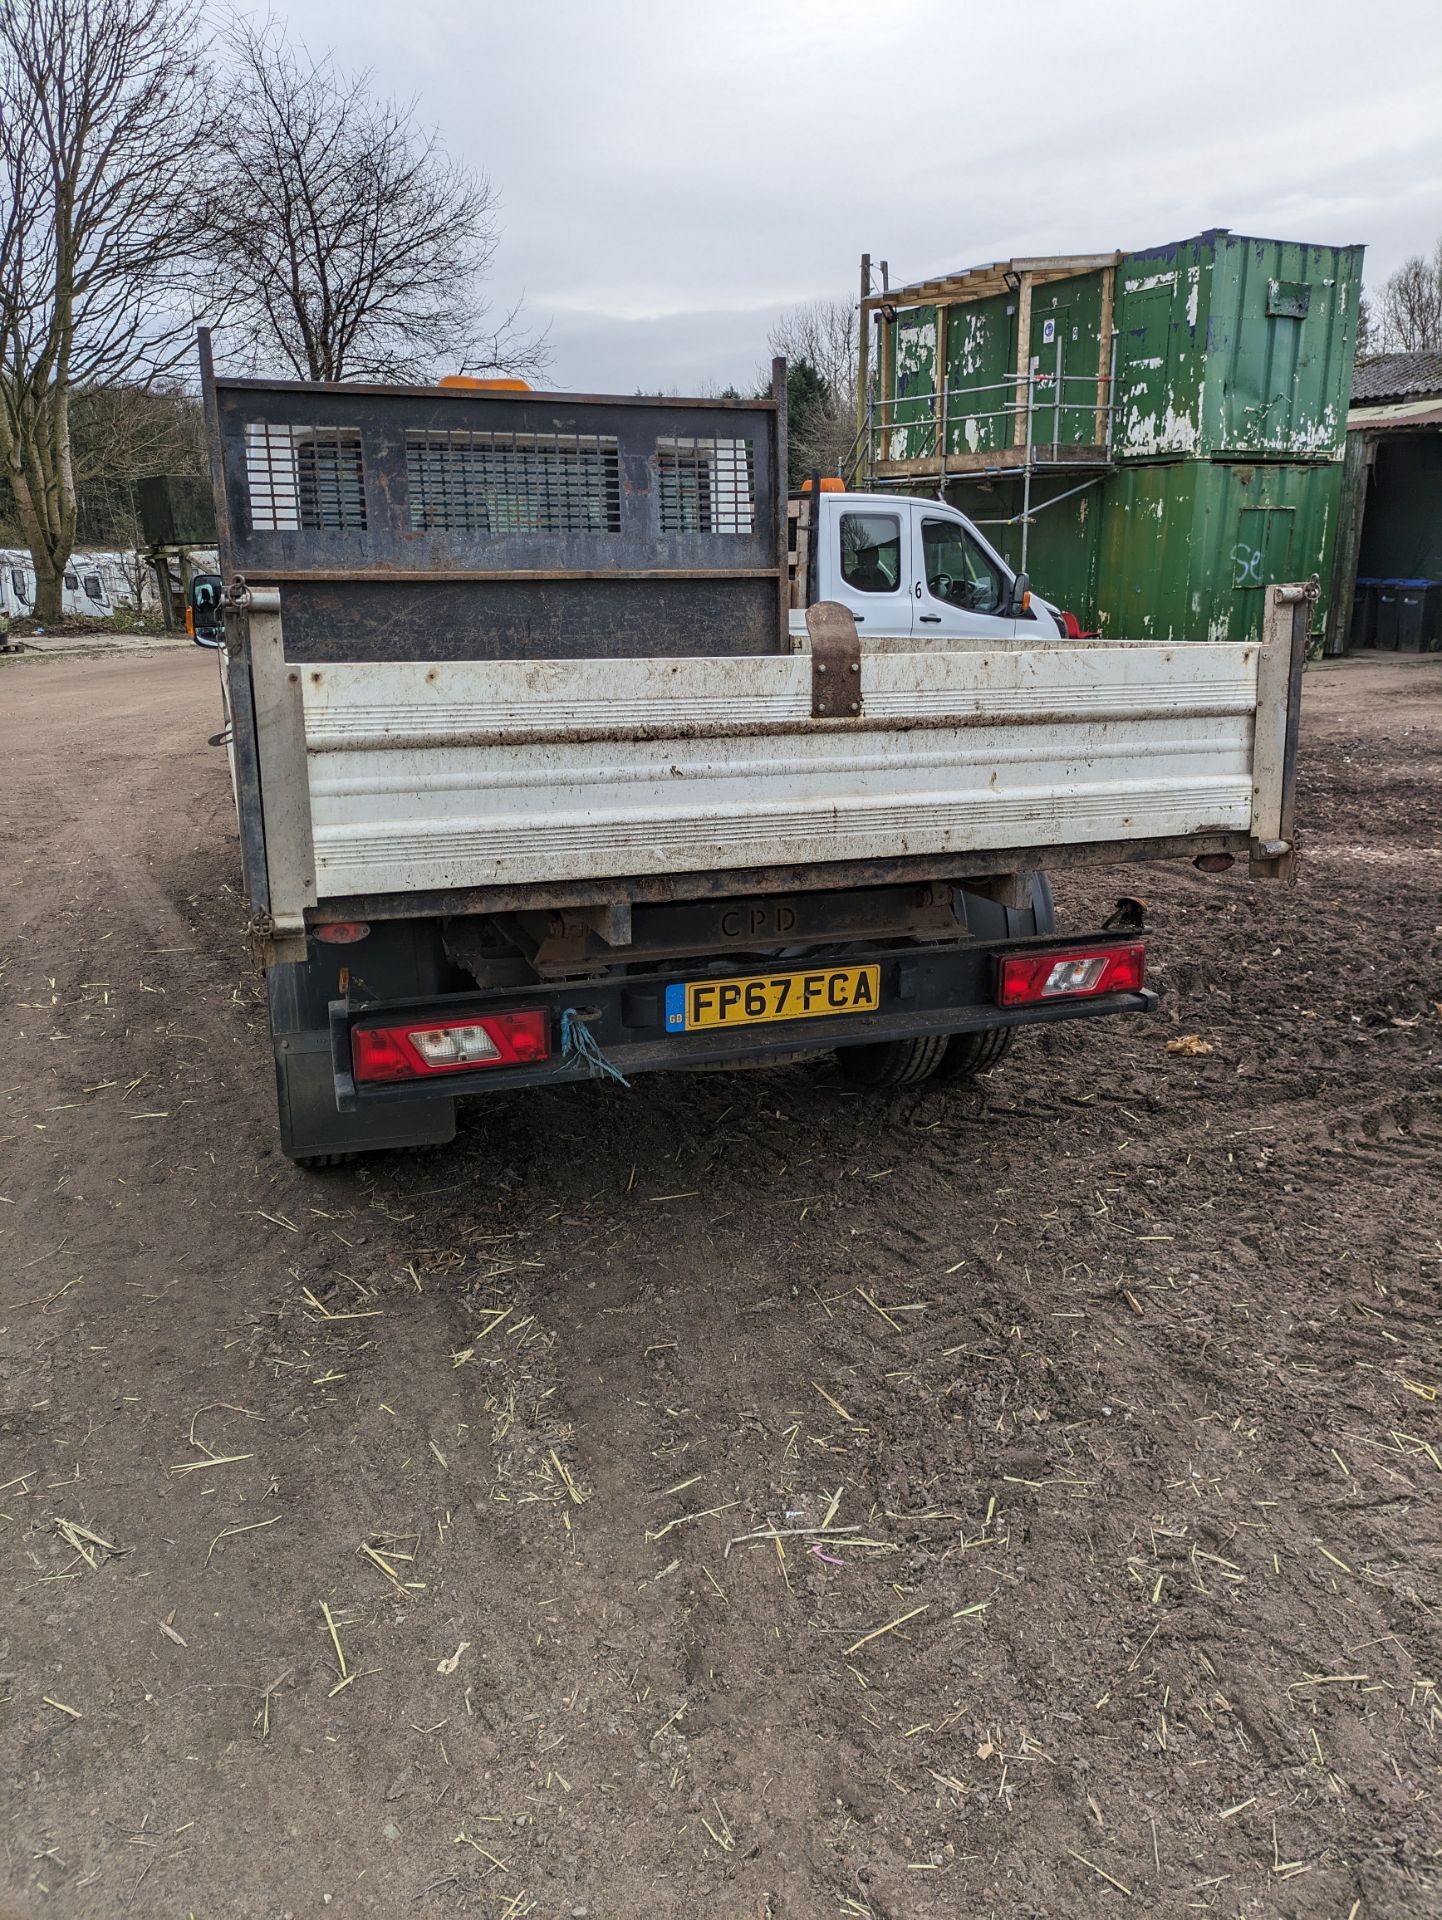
(121, 435)
(103, 137)
(1366, 346)
(359, 244)
(819, 336)
(825, 333)
(1410, 319)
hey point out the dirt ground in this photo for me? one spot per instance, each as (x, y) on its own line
(405, 1540)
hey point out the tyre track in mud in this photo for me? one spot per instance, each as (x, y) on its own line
(1115, 1367)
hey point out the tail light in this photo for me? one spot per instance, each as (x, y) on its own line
(1023, 979)
(415, 1049)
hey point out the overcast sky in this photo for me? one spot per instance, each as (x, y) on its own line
(672, 172)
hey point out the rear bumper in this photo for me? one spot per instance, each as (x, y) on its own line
(923, 991)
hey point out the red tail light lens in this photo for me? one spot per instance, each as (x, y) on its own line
(416, 1049)
(1023, 979)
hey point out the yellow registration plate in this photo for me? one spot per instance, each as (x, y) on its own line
(777, 996)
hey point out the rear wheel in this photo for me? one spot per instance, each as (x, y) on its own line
(968, 1054)
(954, 1056)
(893, 1063)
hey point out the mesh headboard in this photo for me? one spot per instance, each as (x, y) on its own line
(463, 523)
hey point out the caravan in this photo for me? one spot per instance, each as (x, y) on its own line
(17, 585)
(85, 589)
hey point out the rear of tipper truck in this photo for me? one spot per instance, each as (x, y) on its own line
(535, 782)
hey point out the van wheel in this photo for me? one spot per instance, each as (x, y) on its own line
(893, 1063)
(968, 1054)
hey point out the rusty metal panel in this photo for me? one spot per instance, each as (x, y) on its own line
(835, 660)
(599, 618)
(366, 504)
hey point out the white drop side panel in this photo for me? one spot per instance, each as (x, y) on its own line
(472, 774)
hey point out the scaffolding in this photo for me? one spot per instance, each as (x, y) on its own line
(1035, 419)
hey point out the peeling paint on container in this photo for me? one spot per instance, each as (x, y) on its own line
(980, 360)
(1232, 359)
(1066, 355)
(912, 412)
(1229, 346)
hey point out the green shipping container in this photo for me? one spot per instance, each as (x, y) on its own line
(909, 421)
(1186, 548)
(1229, 346)
(1067, 362)
(980, 367)
(983, 391)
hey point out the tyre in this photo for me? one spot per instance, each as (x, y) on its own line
(968, 1054)
(893, 1063)
(954, 1056)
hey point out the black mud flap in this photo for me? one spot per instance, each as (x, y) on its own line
(312, 1125)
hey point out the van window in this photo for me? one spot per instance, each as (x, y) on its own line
(958, 572)
(17, 583)
(871, 552)
(93, 588)
(72, 580)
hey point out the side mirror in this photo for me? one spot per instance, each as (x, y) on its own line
(203, 619)
(1020, 596)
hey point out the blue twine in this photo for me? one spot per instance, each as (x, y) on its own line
(578, 1043)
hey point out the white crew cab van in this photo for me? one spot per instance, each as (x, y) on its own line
(915, 570)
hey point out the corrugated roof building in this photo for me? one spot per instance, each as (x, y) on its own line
(1396, 376)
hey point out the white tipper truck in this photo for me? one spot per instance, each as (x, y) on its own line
(560, 749)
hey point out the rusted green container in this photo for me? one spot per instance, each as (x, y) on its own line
(1234, 347)
(980, 365)
(1068, 364)
(1186, 548)
(909, 420)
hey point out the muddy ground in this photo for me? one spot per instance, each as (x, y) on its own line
(420, 1569)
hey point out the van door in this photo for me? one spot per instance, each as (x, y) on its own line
(871, 568)
(960, 588)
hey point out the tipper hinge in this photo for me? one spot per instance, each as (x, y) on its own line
(835, 661)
